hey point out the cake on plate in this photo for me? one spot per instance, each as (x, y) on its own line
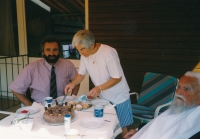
(56, 114)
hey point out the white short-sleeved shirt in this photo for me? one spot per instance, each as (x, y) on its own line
(103, 65)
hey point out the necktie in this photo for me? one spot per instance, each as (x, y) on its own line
(53, 88)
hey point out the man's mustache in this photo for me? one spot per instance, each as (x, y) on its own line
(51, 56)
(179, 96)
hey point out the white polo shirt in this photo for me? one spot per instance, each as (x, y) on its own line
(103, 65)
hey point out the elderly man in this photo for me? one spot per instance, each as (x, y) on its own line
(181, 120)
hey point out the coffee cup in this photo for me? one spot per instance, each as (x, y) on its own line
(98, 111)
(46, 101)
(26, 125)
(73, 134)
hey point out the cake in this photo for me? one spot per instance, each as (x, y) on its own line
(56, 114)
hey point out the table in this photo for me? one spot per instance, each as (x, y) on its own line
(44, 131)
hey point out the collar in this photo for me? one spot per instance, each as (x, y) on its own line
(50, 66)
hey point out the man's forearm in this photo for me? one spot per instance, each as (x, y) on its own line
(22, 98)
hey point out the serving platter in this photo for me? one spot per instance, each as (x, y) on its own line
(42, 121)
(89, 106)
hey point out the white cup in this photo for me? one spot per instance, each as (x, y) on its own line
(26, 125)
(18, 118)
(46, 101)
(73, 134)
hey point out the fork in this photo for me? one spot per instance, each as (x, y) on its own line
(107, 121)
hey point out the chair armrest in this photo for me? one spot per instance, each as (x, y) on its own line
(6, 112)
(135, 93)
(159, 107)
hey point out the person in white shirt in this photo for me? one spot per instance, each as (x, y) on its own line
(180, 121)
(102, 64)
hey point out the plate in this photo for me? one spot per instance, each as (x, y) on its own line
(89, 106)
(67, 99)
(30, 109)
(92, 123)
(100, 102)
(42, 121)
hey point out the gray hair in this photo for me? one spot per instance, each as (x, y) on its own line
(83, 37)
(193, 74)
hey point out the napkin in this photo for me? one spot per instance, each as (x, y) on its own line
(37, 105)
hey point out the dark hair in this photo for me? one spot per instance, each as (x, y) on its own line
(50, 39)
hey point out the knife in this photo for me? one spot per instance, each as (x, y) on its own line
(63, 99)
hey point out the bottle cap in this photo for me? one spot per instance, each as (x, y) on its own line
(49, 105)
(67, 115)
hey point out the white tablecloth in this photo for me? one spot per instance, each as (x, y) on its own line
(44, 131)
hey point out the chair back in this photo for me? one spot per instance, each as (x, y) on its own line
(157, 89)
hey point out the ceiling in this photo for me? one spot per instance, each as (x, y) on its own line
(66, 6)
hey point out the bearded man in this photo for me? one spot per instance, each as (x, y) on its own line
(36, 76)
(181, 120)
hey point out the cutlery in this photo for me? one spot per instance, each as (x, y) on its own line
(63, 99)
(107, 121)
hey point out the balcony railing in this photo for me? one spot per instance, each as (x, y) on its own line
(9, 69)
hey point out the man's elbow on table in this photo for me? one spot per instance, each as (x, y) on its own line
(22, 98)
